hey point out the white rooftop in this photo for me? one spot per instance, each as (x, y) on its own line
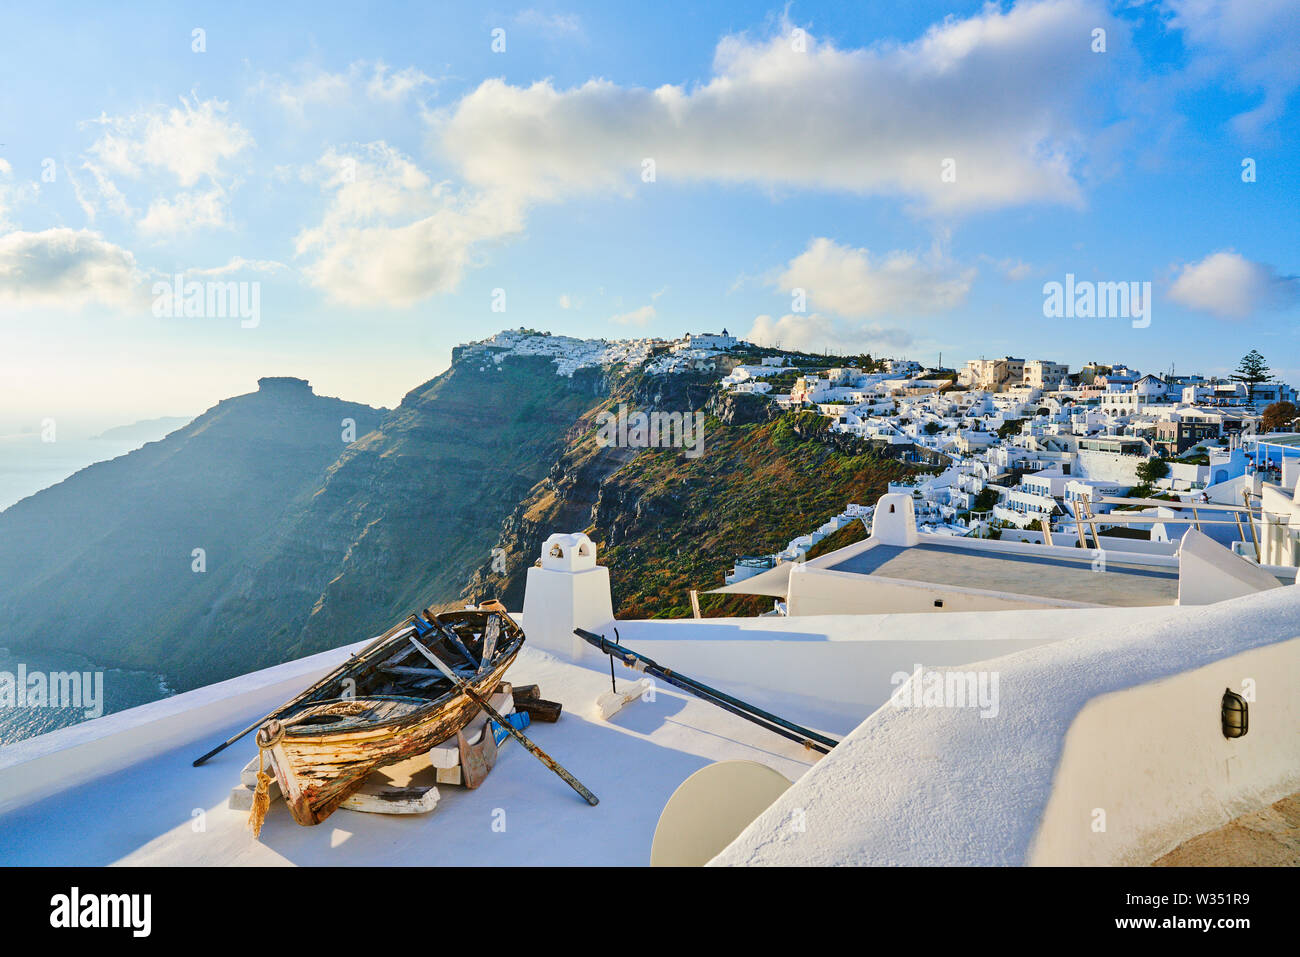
(132, 770)
(1100, 708)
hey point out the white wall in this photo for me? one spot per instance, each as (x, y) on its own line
(1124, 716)
(815, 591)
(1108, 467)
(1182, 476)
(842, 662)
(47, 764)
(1156, 797)
(1208, 572)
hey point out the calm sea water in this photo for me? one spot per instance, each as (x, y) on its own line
(28, 465)
(122, 690)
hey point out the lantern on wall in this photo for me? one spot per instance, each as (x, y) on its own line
(1234, 714)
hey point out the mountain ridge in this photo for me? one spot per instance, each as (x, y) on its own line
(322, 521)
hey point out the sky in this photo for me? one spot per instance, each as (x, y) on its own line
(389, 180)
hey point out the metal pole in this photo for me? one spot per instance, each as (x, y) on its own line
(640, 662)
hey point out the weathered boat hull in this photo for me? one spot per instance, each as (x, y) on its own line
(318, 771)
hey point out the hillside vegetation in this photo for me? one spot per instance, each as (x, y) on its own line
(666, 522)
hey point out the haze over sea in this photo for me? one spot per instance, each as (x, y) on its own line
(28, 465)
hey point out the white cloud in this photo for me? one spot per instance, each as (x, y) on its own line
(390, 236)
(850, 282)
(1013, 269)
(313, 87)
(240, 265)
(1251, 43)
(190, 142)
(65, 267)
(396, 86)
(873, 120)
(154, 150)
(12, 194)
(105, 190)
(1230, 286)
(184, 212)
(637, 317)
(814, 332)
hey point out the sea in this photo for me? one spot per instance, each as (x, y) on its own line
(27, 465)
(121, 690)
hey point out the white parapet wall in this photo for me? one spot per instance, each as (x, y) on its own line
(50, 763)
(818, 591)
(1122, 720)
(846, 665)
(1194, 781)
(1208, 572)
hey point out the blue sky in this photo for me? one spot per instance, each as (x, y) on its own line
(379, 170)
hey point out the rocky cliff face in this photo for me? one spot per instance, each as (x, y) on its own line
(666, 521)
(740, 408)
(125, 561)
(320, 522)
(400, 518)
(309, 541)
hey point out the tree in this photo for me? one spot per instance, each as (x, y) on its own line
(1252, 371)
(1011, 427)
(1151, 470)
(1278, 417)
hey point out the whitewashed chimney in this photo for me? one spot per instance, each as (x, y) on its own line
(564, 591)
(894, 520)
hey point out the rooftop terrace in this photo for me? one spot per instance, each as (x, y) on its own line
(919, 781)
(1063, 577)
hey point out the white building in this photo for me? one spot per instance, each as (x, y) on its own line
(992, 374)
(706, 340)
(1044, 374)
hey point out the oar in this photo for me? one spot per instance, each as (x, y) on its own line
(491, 632)
(492, 712)
(349, 663)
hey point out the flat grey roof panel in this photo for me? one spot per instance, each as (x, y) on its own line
(1048, 576)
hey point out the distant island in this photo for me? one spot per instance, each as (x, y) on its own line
(146, 430)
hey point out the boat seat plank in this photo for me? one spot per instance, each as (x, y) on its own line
(408, 670)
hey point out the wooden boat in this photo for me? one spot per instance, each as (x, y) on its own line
(388, 704)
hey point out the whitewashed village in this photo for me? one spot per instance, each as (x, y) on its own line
(1016, 444)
